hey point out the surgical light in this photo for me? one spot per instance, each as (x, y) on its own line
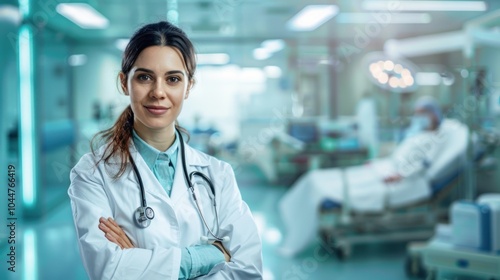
(408, 80)
(388, 65)
(405, 72)
(83, 15)
(393, 74)
(383, 78)
(394, 82)
(398, 68)
(464, 6)
(311, 17)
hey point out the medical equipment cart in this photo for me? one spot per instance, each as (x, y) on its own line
(442, 256)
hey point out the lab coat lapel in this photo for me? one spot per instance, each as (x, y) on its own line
(194, 161)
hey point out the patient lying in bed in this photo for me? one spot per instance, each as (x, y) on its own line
(398, 180)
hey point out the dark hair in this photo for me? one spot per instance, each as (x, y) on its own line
(117, 138)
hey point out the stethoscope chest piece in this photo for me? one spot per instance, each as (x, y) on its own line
(143, 216)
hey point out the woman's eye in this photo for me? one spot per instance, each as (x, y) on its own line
(173, 80)
(144, 78)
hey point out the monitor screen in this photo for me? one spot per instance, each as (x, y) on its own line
(305, 132)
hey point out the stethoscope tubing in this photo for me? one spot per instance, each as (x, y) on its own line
(141, 184)
(190, 185)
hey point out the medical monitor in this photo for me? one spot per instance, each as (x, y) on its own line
(306, 132)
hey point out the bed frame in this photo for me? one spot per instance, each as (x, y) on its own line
(340, 229)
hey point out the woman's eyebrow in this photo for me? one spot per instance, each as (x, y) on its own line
(175, 72)
(167, 73)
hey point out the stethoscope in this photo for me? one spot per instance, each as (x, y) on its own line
(144, 214)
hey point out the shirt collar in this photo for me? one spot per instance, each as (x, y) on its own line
(150, 154)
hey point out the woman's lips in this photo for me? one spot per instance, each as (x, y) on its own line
(156, 110)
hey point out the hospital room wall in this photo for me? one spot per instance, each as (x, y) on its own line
(95, 83)
(352, 84)
(52, 108)
(221, 96)
(489, 57)
(8, 107)
(447, 95)
(302, 92)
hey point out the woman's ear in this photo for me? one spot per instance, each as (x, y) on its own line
(190, 86)
(123, 82)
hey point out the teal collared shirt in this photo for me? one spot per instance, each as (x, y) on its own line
(195, 260)
(162, 164)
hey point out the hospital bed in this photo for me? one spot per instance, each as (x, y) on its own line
(340, 228)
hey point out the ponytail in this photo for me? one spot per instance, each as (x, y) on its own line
(117, 139)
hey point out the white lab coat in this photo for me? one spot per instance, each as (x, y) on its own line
(420, 159)
(176, 224)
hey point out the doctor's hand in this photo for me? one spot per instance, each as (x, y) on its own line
(114, 233)
(394, 178)
(219, 245)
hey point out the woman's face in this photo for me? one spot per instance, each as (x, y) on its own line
(157, 85)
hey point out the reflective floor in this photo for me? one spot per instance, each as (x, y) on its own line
(47, 249)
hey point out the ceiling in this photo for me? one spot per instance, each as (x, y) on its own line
(239, 26)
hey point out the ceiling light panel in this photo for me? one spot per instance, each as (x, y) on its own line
(394, 18)
(83, 15)
(464, 6)
(311, 17)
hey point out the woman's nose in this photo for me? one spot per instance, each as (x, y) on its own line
(159, 90)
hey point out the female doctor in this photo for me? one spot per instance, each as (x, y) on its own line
(145, 204)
